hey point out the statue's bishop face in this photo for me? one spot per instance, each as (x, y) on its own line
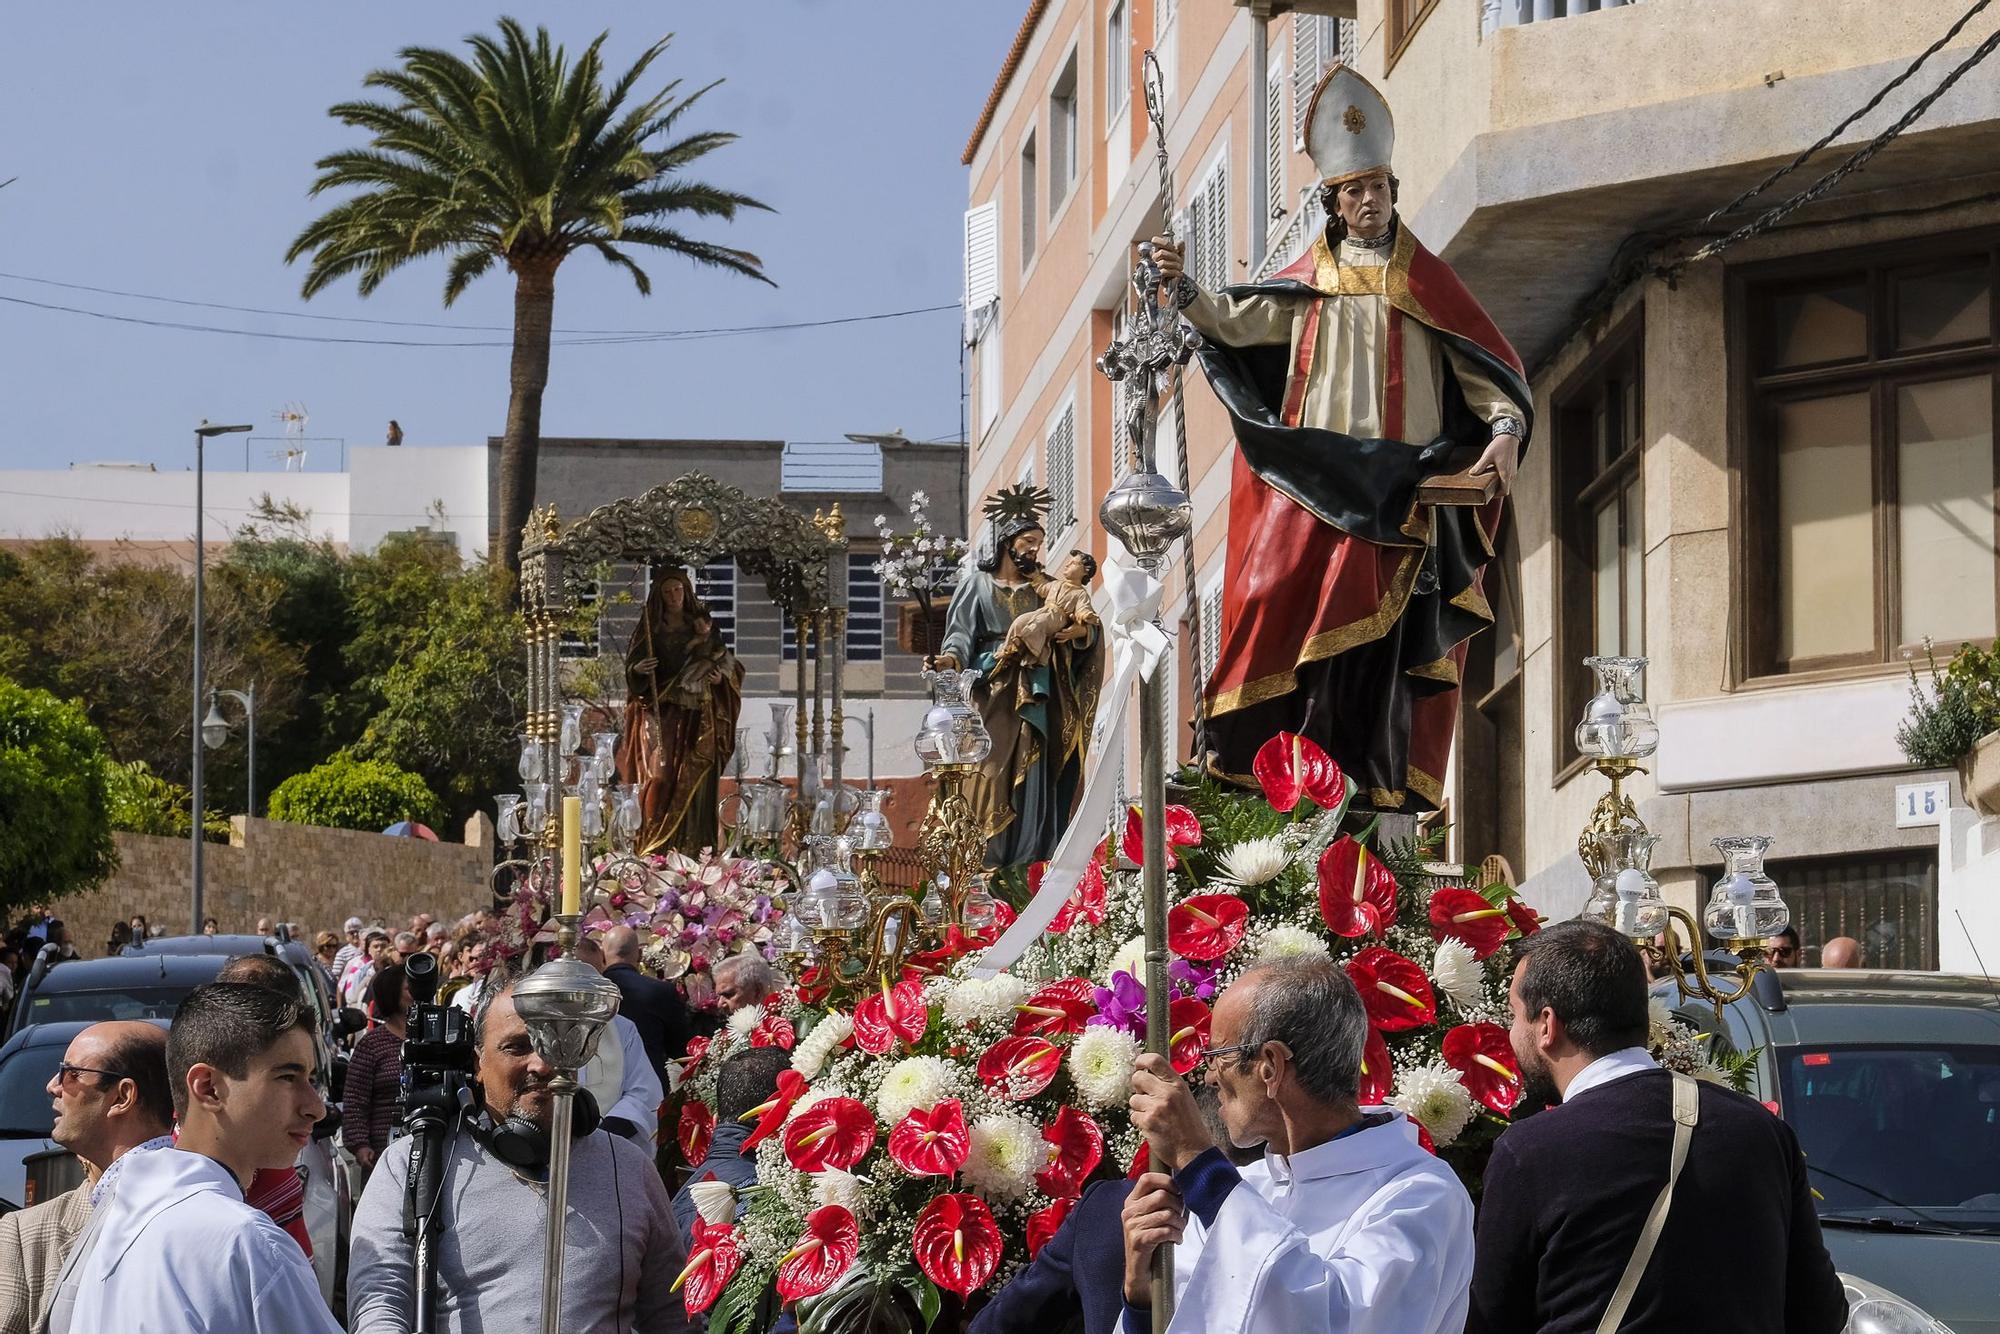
(1365, 205)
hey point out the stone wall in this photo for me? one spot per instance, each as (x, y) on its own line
(289, 873)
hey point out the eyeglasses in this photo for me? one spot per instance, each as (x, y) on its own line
(65, 1070)
(1207, 1054)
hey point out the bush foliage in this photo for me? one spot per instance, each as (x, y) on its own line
(55, 825)
(350, 793)
(1961, 706)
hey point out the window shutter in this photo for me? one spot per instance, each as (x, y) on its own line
(1343, 39)
(715, 585)
(982, 260)
(1305, 71)
(1059, 466)
(1274, 149)
(864, 607)
(1212, 227)
(1211, 631)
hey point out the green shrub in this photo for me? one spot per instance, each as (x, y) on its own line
(55, 826)
(346, 793)
(1961, 706)
(142, 802)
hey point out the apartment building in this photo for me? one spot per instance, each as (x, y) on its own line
(1771, 469)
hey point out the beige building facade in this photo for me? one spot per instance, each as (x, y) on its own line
(1770, 470)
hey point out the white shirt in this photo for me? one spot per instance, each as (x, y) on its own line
(1365, 1234)
(621, 1078)
(179, 1252)
(1613, 1065)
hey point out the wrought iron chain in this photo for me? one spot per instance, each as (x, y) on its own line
(1865, 108)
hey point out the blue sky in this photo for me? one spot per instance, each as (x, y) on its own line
(167, 150)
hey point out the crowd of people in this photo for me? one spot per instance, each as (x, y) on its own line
(1289, 1206)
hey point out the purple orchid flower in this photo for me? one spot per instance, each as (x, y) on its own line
(1193, 979)
(1123, 1005)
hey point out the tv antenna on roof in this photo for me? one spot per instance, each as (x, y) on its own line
(292, 418)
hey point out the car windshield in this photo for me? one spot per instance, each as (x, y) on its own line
(25, 1107)
(1899, 1136)
(92, 1006)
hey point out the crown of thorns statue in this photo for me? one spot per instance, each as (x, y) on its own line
(1012, 505)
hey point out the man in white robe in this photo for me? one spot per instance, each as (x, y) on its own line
(178, 1250)
(1347, 1225)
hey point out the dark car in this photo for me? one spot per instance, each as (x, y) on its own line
(92, 990)
(1892, 1082)
(28, 1062)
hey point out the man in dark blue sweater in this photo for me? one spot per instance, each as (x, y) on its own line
(1568, 1190)
(654, 1007)
(746, 1079)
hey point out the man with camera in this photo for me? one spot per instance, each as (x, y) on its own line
(622, 1249)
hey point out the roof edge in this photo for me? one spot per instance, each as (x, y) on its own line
(1008, 68)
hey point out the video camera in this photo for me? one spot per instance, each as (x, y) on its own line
(438, 1057)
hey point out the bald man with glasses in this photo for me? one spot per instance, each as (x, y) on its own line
(111, 1098)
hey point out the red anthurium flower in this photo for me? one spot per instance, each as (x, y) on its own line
(931, 1143)
(696, 1129)
(1087, 899)
(1059, 1007)
(1484, 1058)
(1076, 1147)
(822, 1255)
(1393, 990)
(955, 945)
(814, 985)
(1357, 893)
(1141, 1160)
(697, 1048)
(891, 1013)
(1183, 831)
(834, 1133)
(713, 1259)
(1468, 918)
(1207, 926)
(771, 1114)
(957, 1243)
(1188, 1021)
(1525, 919)
(773, 1031)
(1018, 1068)
(1377, 1075)
(1043, 1225)
(1289, 767)
(1424, 1141)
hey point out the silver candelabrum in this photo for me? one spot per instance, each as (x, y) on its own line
(566, 1005)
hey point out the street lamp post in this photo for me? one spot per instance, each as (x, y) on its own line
(201, 435)
(215, 731)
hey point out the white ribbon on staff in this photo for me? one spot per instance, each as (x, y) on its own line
(1127, 603)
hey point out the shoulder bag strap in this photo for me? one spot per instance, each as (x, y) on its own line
(1687, 1111)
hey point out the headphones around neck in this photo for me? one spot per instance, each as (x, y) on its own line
(520, 1143)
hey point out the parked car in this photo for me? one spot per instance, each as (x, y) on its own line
(148, 982)
(1892, 1082)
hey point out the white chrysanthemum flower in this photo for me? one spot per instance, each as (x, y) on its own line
(1659, 1022)
(1435, 1098)
(1131, 959)
(978, 1000)
(1100, 1063)
(1290, 942)
(1708, 1070)
(810, 1056)
(715, 1201)
(841, 1188)
(1006, 1151)
(743, 1020)
(912, 1083)
(1255, 861)
(1456, 972)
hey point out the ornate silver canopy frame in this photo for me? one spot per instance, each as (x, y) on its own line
(690, 522)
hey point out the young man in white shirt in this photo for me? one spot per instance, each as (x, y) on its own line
(178, 1250)
(1346, 1225)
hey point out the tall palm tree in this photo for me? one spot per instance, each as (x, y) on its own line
(515, 156)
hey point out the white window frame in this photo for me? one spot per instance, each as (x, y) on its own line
(1026, 184)
(1065, 133)
(1117, 63)
(986, 358)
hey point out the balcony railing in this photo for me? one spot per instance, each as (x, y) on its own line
(1512, 13)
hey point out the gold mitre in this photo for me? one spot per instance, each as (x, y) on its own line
(1349, 131)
